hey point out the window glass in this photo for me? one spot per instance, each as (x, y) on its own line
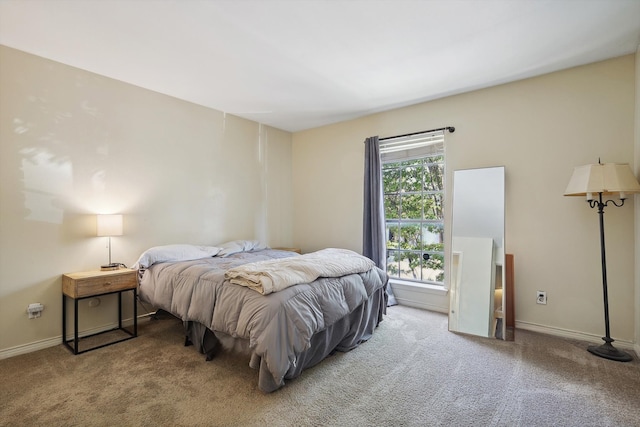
(413, 205)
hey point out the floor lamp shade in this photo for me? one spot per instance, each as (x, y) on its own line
(595, 181)
(605, 178)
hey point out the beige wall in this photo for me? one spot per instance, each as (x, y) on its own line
(74, 144)
(539, 129)
(637, 205)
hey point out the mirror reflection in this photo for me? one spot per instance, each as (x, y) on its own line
(477, 299)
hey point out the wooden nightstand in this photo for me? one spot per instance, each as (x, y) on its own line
(91, 284)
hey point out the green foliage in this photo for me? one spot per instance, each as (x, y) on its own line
(413, 204)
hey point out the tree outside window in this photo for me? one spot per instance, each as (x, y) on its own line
(413, 202)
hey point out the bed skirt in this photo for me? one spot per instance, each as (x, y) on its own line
(343, 335)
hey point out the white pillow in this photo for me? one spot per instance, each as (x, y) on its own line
(174, 253)
(235, 246)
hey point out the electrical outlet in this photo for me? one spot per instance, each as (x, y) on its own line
(34, 310)
(541, 297)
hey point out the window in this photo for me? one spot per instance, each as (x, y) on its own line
(413, 185)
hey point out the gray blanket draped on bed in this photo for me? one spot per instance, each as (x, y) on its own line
(280, 328)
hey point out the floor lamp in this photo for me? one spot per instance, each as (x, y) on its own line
(601, 180)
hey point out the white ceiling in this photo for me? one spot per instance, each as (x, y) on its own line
(300, 64)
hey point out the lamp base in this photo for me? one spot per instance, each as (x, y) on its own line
(608, 351)
(109, 267)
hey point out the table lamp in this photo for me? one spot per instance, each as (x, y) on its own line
(109, 225)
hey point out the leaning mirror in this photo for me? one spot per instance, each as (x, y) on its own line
(477, 253)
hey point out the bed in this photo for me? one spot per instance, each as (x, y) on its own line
(282, 331)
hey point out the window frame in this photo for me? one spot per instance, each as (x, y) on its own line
(426, 150)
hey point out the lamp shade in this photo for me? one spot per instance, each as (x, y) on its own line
(109, 225)
(605, 178)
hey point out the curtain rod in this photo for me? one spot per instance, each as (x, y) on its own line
(451, 129)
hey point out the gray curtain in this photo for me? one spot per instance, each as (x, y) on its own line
(373, 240)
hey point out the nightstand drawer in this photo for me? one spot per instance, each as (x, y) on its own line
(79, 285)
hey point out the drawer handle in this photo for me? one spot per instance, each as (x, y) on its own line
(108, 284)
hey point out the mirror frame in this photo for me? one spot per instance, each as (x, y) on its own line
(478, 224)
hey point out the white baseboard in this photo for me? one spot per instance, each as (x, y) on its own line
(432, 298)
(566, 333)
(425, 304)
(50, 342)
(31, 347)
(421, 304)
(57, 340)
(559, 332)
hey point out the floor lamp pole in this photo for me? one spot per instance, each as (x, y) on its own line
(606, 350)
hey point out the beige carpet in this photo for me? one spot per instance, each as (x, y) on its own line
(413, 372)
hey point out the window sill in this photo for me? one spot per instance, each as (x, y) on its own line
(419, 287)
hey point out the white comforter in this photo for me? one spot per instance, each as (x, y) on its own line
(277, 274)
